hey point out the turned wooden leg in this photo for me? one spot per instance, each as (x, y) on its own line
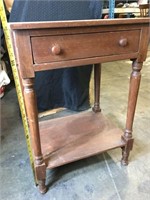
(32, 114)
(97, 78)
(132, 99)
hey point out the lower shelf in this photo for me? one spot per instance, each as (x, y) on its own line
(78, 136)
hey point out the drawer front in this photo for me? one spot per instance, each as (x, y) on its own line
(48, 49)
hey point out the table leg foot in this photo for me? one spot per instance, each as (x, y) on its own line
(96, 109)
(126, 150)
(125, 155)
(42, 187)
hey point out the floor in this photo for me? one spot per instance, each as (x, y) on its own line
(96, 178)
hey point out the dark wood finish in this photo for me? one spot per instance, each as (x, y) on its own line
(133, 94)
(78, 23)
(97, 79)
(32, 113)
(69, 50)
(51, 45)
(82, 133)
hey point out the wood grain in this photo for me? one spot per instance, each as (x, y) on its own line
(51, 45)
(78, 136)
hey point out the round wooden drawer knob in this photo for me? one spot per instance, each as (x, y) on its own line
(56, 50)
(123, 42)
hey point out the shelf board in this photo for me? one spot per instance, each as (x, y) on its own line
(123, 10)
(78, 136)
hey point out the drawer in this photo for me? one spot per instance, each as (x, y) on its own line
(48, 49)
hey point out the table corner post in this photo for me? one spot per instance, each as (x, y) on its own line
(32, 113)
(135, 79)
(97, 79)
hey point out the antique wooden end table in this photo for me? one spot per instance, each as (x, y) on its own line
(42, 46)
